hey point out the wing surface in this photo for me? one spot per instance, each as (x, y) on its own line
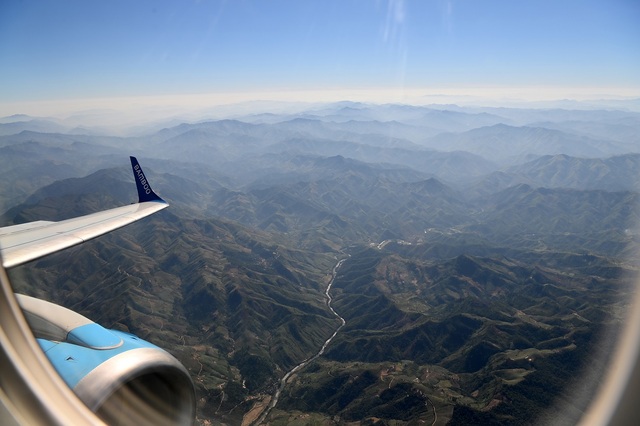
(29, 241)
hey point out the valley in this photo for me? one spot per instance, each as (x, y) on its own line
(354, 263)
(283, 382)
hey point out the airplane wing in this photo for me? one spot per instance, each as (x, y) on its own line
(102, 375)
(28, 241)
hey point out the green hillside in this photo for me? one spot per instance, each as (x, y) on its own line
(471, 292)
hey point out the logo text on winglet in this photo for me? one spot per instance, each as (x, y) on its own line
(143, 181)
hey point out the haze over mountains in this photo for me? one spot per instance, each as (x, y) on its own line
(488, 251)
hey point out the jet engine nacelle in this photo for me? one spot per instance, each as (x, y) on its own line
(117, 375)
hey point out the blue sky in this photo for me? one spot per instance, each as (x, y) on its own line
(86, 49)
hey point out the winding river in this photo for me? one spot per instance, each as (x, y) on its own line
(283, 381)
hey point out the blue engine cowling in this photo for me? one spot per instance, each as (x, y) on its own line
(117, 375)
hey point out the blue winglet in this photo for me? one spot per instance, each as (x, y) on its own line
(145, 193)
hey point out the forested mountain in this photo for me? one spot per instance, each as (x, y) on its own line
(481, 255)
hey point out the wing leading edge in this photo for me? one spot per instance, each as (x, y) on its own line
(29, 241)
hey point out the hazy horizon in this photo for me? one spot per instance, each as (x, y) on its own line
(115, 115)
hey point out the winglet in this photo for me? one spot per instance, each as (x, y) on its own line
(145, 193)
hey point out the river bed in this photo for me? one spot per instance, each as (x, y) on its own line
(285, 378)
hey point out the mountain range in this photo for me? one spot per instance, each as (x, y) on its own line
(484, 255)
